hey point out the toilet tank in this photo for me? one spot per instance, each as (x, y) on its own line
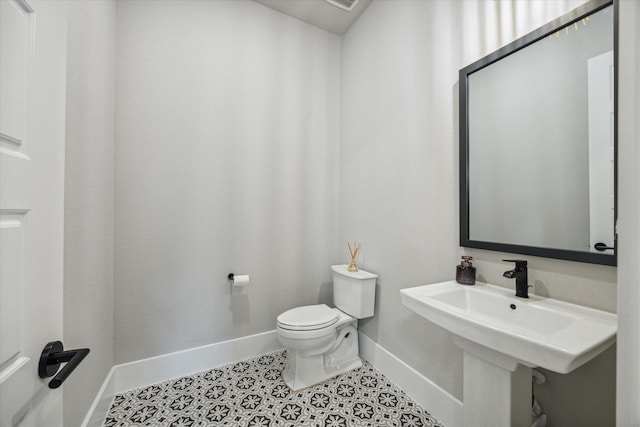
(354, 292)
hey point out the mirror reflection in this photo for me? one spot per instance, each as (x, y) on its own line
(540, 148)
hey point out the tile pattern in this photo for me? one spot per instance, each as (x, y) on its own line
(252, 393)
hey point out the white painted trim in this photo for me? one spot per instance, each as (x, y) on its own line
(100, 406)
(337, 3)
(13, 153)
(10, 139)
(14, 211)
(160, 368)
(443, 406)
(13, 367)
(25, 6)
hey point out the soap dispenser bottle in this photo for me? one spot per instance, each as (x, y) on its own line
(465, 272)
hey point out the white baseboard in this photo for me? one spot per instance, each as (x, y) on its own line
(160, 368)
(443, 406)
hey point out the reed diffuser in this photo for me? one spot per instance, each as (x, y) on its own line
(353, 267)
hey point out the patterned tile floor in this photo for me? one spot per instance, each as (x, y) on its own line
(252, 393)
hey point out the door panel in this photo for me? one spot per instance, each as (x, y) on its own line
(11, 286)
(16, 23)
(32, 131)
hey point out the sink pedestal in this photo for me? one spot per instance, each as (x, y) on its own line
(496, 388)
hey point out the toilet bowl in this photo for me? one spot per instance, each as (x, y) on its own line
(322, 342)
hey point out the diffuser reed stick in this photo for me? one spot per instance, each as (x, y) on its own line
(353, 267)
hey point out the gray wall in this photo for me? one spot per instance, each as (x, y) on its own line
(399, 176)
(88, 238)
(226, 161)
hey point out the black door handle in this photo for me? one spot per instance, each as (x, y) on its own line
(601, 247)
(53, 356)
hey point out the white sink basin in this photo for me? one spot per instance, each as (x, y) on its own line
(537, 332)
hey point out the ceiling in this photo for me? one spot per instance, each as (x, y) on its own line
(319, 13)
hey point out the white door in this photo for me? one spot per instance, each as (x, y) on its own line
(601, 152)
(32, 131)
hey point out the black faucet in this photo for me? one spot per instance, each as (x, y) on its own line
(520, 274)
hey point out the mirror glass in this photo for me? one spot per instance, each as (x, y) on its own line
(537, 133)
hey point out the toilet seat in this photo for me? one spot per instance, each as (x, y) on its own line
(308, 318)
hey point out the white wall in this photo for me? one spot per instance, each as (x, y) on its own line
(628, 388)
(399, 181)
(226, 161)
(88, 239)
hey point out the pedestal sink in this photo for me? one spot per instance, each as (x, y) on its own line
(503, 337)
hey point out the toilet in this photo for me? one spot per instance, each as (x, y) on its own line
(322, 342)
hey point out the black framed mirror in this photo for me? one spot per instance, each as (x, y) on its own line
(538, 141)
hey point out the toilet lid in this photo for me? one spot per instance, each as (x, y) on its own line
(308, 317)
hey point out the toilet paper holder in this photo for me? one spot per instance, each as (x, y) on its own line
(238, 280)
